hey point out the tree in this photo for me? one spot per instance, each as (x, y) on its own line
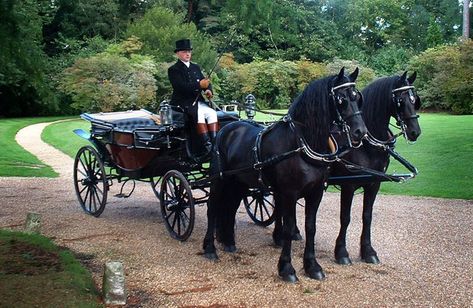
(466, 19)
(159, 28)
(23, 87)
(115, 80)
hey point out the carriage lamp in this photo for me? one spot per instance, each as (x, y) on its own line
(165, 113)
(250, 105)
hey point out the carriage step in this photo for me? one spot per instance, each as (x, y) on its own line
(122, 195)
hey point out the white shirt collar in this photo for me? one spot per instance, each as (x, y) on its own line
(186, 63)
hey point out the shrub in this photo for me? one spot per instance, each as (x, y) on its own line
(365, 76)
(273, 82)
(445, 77)
(108, 82)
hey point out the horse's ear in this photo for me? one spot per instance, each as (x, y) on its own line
(412, 78)
(354, 75)
(341, 74)
(403, 76)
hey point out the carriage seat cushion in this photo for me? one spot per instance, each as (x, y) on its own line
(133, 123)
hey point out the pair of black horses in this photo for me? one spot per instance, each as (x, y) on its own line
(294, 156)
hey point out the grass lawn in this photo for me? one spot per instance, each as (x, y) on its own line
(34, 272)
(443, 154)
(62, 137)
(14, 160)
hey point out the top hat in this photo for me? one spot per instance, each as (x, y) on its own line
(184, 44)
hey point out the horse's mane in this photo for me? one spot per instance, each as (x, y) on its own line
(312, 109)
(377, 103)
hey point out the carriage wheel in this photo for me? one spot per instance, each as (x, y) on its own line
(177, 205)
(260, 207)
(90, 181)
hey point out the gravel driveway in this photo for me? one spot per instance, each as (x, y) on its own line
(424, 244)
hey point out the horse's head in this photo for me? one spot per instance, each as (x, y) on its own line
(347, 101)
(406, 102)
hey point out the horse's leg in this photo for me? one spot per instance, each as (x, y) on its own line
(277, 232)
(287, 205)
(213, 203)
(311, 266)
(346, 200)
(232, 201)
(368, 254)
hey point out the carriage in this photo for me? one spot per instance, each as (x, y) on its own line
(138, 145)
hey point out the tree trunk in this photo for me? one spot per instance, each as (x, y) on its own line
(466, 19)
(190, 5)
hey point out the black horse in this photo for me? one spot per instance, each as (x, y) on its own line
(290, 158)
(384, 98)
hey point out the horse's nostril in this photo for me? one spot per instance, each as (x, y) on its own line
(358, 134)
(414, 135)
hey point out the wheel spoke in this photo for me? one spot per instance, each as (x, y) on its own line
(265, 208)
(81, 172)
(94, 195)
(85, 187)
(178, 223)
(86, 195)
(84, 165)
(97, 194)
(174, 221)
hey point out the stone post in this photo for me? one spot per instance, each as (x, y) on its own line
(33, 223)
(113, 286)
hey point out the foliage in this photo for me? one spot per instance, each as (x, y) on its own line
(390, 60)
(111, 81)
(279, 29)
(274, 83)
(23, 88)
(445, 80)
(85, 18)
(365, 76)
(459, 87)
(41, 38)
(160, 28)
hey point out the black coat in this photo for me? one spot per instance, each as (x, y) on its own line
(186, 88)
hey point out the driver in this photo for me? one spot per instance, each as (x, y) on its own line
(187, 83)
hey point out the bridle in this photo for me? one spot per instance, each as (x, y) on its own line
(338, 100)
(400, 120)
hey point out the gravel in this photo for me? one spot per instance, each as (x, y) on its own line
(424, 244)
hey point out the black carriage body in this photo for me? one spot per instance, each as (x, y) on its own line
(136, 146)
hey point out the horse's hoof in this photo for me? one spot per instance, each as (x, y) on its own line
(371, 260)
(297, 237)
(344, 261)
(212, 256)
(229, 248)
(292, 278)
(318, 275)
